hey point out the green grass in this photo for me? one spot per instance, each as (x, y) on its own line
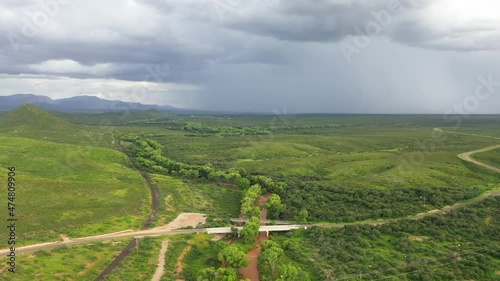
(30, 121)
(178, 196)
(203, 254)
(77, 262)
(141, 262)
(141, 265)
(175, 248)
(71, 189)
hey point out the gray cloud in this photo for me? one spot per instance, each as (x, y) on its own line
(254, 55)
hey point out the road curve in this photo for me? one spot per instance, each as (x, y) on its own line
(467, 156)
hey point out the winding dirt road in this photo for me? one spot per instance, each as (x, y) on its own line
(467, 156)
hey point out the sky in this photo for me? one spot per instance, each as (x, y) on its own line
(268, 56)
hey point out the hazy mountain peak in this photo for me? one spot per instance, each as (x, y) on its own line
(76, 104)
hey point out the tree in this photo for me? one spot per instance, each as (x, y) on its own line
(279, 187)
(250, 199)
(302, 215)
(251, 229)
(271, 258)
(221, 274)
(207, 274)
(274, 206)
(233, 257)
(269, 244)
(243, 183)
(290, 272)
(252, 212)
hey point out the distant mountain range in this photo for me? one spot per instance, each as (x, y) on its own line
(76, 104)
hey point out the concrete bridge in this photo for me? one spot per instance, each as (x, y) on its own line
(263, 228)
(275, 222)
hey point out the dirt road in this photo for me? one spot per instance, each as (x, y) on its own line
(467, 156)
(160, 270)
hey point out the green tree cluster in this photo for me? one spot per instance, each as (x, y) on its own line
(273, 265)
(249, 203)
(250, 231)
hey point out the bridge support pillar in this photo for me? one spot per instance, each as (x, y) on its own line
(239, 233)
(267, 233)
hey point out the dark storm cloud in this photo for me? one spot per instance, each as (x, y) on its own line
(255, 54)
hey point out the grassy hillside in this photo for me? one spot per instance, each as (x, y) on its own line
(70, 189)
(30, 121)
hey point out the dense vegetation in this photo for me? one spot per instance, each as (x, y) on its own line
(461, 245)
(274, 265)
(148, 154)
(343, 204)
(322, 201)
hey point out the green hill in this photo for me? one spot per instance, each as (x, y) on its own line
(34, 117)
(72, 189)
(30, 121)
